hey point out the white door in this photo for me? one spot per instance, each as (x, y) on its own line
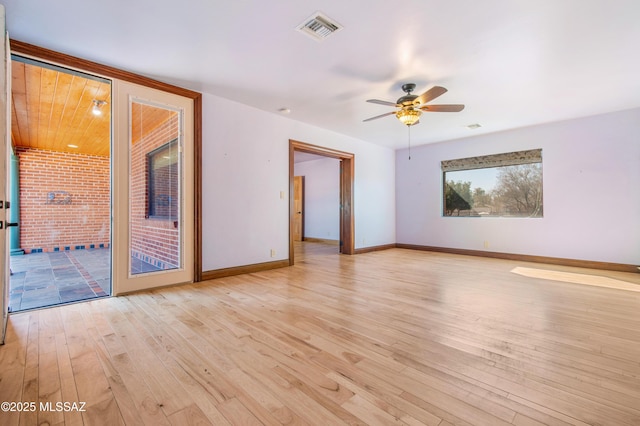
(153, 198)
(5, 146)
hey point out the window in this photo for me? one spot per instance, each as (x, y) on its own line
(501, 185)
(162, 182)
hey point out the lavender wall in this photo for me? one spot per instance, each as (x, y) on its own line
(321, 198)
(246, 167)
(591, 172)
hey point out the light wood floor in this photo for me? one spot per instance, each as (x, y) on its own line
(389, 337)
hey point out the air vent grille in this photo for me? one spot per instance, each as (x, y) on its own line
(318, 26)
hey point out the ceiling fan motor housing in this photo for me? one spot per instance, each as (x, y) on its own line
(407, 99)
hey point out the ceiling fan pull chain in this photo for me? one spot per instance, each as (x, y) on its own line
(409, 128)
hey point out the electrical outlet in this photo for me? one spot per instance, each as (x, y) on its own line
(273, 252)
(486, 244)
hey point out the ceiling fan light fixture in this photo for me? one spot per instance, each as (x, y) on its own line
(411, 106)
(96, 107)
(408, 116)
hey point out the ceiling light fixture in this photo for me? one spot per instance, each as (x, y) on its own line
(96, 107)
(408, 116)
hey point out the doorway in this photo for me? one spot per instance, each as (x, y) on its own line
(346, 219)
(60, 185)
(134, 269)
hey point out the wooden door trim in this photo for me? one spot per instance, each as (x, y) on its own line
(347, 167)
(36, 52)
(295, 218)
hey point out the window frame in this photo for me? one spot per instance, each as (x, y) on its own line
(150, 204)
(494, 161)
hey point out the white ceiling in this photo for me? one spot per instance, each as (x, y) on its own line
(513, 63)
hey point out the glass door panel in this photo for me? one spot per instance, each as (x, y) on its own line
(153, 191)
(156, 188)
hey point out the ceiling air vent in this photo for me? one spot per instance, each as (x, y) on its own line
(318, 26)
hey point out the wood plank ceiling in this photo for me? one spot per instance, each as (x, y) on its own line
(52, 110)
(146, 118)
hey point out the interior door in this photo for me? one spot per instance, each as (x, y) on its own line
(298, 207)
(153, 227)
(5, 147)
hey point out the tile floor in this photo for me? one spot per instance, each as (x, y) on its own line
(45, 279)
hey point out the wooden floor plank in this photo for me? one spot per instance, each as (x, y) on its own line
(30, 381)
(237, 413)
(163, 388)
(387, 337)
(190, 416)
(121, 393)
(69, 392)
(152, 334)
(11, 390)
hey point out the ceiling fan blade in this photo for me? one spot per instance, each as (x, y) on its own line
(443, 108)
(380, 116)
(431, 94)
(378, 101)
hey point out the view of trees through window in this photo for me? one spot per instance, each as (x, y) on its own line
(514, 190)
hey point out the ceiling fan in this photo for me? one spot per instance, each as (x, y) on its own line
(412, 106)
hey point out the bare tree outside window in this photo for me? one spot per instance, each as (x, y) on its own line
(506, 191)
(519, 190)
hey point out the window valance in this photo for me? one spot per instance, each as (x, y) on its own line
(495, 160)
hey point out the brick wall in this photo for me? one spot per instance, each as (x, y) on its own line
(153, 240)
(64, 200)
